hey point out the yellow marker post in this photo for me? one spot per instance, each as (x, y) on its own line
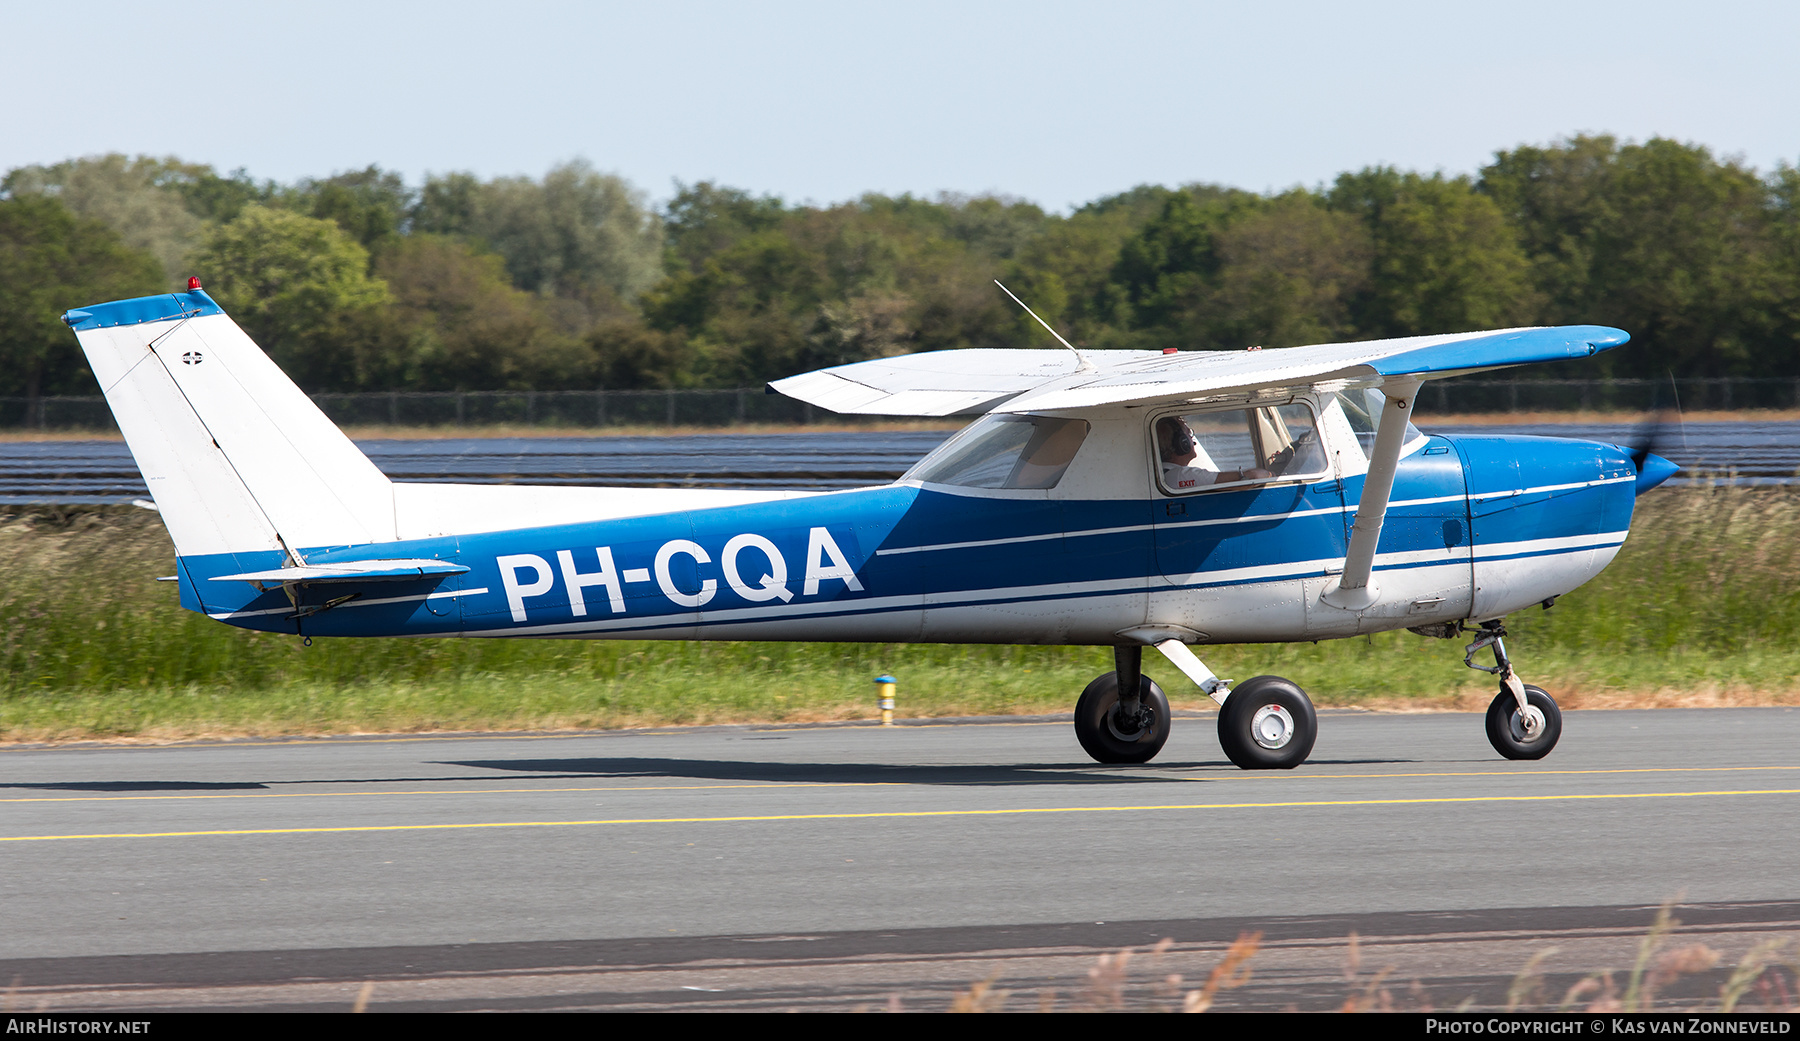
(884, 690)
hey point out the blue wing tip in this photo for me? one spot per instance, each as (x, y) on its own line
(1497, 350)
(159, 308)
(1603, 337)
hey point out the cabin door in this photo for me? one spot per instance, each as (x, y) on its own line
(1245, 508)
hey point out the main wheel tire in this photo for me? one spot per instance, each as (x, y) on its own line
(1109, 739)
(1268, 723)
(1506, 724)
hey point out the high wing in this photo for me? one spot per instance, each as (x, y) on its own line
(942, 383)
(970, 382)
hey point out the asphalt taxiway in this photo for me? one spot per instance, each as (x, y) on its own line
(837, 866)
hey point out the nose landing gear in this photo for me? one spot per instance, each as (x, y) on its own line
(1523, 721)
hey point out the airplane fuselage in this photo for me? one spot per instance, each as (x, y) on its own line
(1477, 527)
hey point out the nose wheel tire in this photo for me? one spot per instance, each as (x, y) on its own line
(1267, 723)
(1107, 735)
(1530, 734)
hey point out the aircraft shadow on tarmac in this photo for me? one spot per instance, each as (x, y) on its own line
(766, 772)
(863, 773)
(137, 786)
(650, 767)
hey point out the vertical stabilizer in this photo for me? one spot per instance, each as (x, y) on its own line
(236, 457)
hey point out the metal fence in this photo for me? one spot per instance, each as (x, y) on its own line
(588, 409)
(567, 408)
(531, 408)
(1690, 395)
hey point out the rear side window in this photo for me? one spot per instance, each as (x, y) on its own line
(1238, 447)
(1005, 452)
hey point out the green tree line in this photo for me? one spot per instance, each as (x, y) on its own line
(360, 281)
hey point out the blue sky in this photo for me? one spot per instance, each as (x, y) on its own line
(1059, 103)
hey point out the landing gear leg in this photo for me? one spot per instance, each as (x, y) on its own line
(1123, 716)
(1265, 723)
(1523, 721)
(1128, 666)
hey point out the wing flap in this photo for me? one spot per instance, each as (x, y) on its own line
(849, 397)
(937, 383)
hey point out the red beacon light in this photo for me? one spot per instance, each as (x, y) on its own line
(1171, 350)
(193, 282)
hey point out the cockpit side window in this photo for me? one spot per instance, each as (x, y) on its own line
(1238, 447)
(1005, 452)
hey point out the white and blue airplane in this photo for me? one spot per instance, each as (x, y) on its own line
(1126, 499)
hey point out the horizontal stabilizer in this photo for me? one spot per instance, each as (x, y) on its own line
(351, 571)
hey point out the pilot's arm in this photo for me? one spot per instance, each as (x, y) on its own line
(1185, 478)
(1178, 447)
(1182, 478)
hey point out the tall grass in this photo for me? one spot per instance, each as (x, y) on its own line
(1703, 602)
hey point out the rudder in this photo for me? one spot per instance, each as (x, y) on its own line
(237, 458)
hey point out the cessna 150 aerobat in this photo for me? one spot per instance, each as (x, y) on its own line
(1128, 499)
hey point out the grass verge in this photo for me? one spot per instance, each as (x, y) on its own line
(1701, 607)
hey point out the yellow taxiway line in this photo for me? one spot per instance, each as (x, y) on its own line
(901, 814)
(1049, 778)
(1530, 773)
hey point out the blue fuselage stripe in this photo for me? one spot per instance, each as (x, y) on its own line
(904, 549)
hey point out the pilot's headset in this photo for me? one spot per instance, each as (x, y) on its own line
(1173, 437)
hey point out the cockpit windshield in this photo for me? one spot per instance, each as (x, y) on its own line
(1003, 451)
(1363, 409)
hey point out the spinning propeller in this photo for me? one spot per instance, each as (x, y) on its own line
(1653, 469)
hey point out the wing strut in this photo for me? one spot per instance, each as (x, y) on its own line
(1356, 589)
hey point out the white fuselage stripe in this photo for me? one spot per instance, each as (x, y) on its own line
(1066, 590)
(1248, 519)
(1408, 558)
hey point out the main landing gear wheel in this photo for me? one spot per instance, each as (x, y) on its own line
(1528, 734)
(1111, 736)
(1267, 723)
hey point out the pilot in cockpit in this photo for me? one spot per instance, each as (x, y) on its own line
(1186, 465)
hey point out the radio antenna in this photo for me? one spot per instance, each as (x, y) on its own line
(1085, 366)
